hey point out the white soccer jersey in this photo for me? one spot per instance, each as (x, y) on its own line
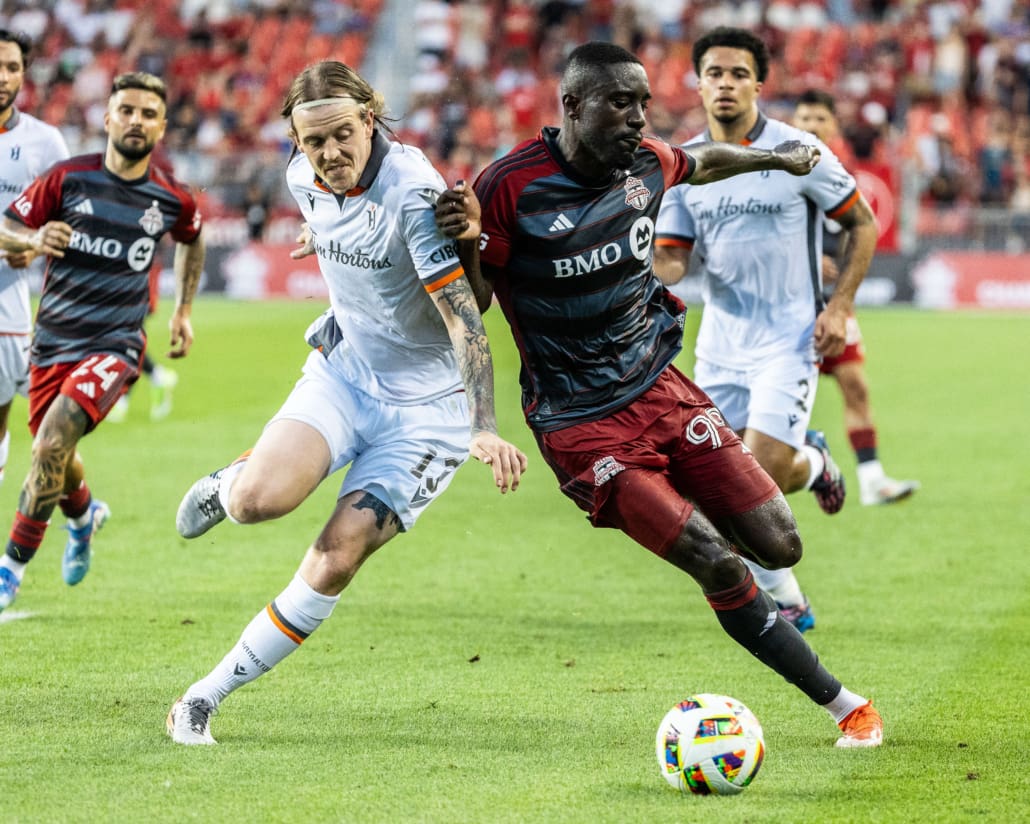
(757, 242)
(381, 255)
(28, 147)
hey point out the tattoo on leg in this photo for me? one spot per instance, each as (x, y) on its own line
(54, 447)
(382, 512)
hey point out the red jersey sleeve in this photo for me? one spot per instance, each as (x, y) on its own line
(189, 224)
(677, 164)
(498, 220)
(40, 201)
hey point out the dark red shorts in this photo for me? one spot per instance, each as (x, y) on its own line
(854, 351)
(644, 468)
(95, 384)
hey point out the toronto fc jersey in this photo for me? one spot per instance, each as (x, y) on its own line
(28, 147)
(382, 256)
(96, 297)
(757, 242)
(572, 265)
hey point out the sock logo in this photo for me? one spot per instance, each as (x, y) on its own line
(239, 670)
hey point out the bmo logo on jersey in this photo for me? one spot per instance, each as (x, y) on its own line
(139, 256)
(639, 238)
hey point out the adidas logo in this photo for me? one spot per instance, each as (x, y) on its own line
(85, 207)
(561, 224)
(87, 389)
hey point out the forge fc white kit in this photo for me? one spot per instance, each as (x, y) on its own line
(28, 147)
(387, 397)
(757, 243)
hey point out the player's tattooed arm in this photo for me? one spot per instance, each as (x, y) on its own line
(64, 425)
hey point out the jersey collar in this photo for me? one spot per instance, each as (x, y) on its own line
(549, 137)
(751, 136)
(12, 121)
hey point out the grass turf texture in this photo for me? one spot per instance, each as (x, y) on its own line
(505, 662)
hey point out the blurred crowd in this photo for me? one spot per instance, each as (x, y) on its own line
(938, 87)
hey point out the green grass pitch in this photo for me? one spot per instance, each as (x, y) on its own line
(504, 662)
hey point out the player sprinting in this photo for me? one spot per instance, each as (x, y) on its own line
(567, 226)
(99, 217)
(400, 386)
(815, 112)
(756, 240)
(27, 147)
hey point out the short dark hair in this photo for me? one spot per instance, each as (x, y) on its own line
(817, 97)
(22, 39)
(734, 39)
(141, 80)
(589, 58)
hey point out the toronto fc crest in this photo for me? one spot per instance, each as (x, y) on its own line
(637, 194)
(152, 220)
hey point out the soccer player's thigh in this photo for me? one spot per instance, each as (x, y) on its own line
(728, 389)
(782, 396)
(411, 454)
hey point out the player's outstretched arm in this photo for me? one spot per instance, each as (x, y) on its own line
(465, 327)
(717, 161)
(189, 263)
(459, 216)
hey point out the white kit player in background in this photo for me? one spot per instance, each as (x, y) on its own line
(27, 148)
(756, 240)
(400, 385)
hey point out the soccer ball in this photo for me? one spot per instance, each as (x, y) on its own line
(710, 744)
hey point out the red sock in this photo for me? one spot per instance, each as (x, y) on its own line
(77, 502)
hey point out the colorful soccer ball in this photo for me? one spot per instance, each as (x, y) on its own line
(710, 744)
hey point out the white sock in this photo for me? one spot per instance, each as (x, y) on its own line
(274, 633)
(781, 584)
(870, 473)
(844, 704)
(5, 450)
(816, 463)
(17, 567)
(225, 485)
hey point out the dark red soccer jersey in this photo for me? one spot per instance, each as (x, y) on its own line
(95, 298)
(572, 263)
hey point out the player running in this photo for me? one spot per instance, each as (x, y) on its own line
(400, 386)
(99, 217)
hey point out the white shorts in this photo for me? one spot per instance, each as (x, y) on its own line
(775, 397)
(14, 366)
(405, 456)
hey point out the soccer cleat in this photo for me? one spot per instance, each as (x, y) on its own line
(189, 721)
(887, 491)
(828, 488)
(200, 509)
(162, 383)
(801, 616)
(9, 584)
(120, 411)
(863, 727)
(78, 552)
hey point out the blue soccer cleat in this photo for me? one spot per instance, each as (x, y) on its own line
(9, 584)
(801, 615)
(828, 488)
(78, 551)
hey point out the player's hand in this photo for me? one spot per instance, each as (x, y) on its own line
(830, 271)
(798, 158)
(507, 461)
(181, 334)
(831, 331)
(19, 260)
(52, 238)
(458, 214)
(307, 244)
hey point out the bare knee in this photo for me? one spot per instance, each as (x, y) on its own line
(705, 555)
(252, 503)
(768, 534)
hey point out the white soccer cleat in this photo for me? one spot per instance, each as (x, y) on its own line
(201, 508)
(189, 721)
(887, 491)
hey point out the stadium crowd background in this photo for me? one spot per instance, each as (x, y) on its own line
(937, 89)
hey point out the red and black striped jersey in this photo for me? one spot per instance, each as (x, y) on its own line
(96, 297)
(572, 265)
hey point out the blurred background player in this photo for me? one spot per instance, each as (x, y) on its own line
(765, 324)
(88, 341)
(27, 147)
(815, 112)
